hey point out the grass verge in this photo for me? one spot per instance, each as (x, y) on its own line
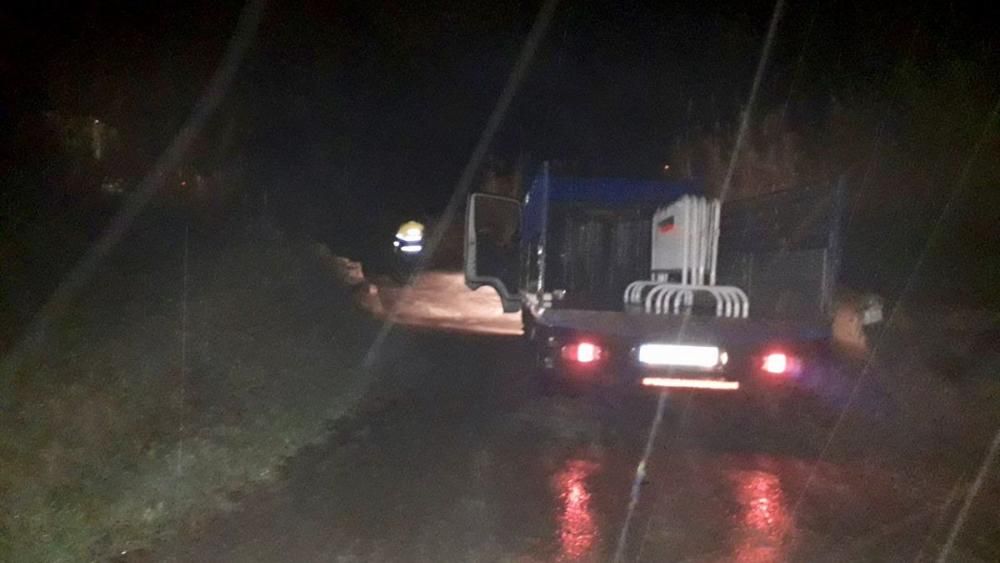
(170, 384)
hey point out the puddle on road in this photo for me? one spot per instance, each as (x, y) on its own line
(763, 523)
(579, 533)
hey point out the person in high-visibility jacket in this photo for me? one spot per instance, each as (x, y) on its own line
(410, 238)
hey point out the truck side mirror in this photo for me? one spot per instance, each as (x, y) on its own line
(492, 243)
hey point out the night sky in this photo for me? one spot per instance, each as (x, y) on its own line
(366, 102)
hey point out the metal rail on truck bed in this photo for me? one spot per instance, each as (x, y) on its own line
(680, 329)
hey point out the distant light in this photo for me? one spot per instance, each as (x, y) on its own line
(184, 183)
(412, 248)
(395, 243)
(97, 121)
(666, 167)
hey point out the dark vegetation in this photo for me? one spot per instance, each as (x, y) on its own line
(923, 188)
(177, 378)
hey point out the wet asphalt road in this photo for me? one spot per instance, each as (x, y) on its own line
(456, 457)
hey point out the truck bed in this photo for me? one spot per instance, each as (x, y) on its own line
(636, 327)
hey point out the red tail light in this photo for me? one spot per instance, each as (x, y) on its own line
(781, 364)
(582, 352)
(776, 363)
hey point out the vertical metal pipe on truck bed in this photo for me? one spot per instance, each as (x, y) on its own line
(716, 216)
(544, 235)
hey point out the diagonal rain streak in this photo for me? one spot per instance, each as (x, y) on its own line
(84, 270)
(640, 476)
(643, 466)
(977, 485)
(765, 55)
(514, 79)
(935, 230)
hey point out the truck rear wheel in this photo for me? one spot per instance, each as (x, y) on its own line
(550, 380)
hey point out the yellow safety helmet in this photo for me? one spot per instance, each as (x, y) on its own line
(411, 231)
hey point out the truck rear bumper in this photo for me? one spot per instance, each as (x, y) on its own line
(618, 364)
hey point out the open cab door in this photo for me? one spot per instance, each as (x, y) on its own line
(492, 245)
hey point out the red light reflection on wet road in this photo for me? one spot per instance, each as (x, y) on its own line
(763, 522)
(578, 532)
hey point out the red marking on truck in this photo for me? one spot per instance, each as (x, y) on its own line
(667, 225)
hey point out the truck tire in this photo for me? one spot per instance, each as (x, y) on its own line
(547, 379)
(551, 383)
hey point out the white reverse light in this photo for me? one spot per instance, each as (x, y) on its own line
(411, 248)
(680, 355)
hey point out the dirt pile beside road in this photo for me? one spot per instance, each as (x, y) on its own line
(441, 300)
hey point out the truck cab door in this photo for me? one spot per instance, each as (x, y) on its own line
(492, 247)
